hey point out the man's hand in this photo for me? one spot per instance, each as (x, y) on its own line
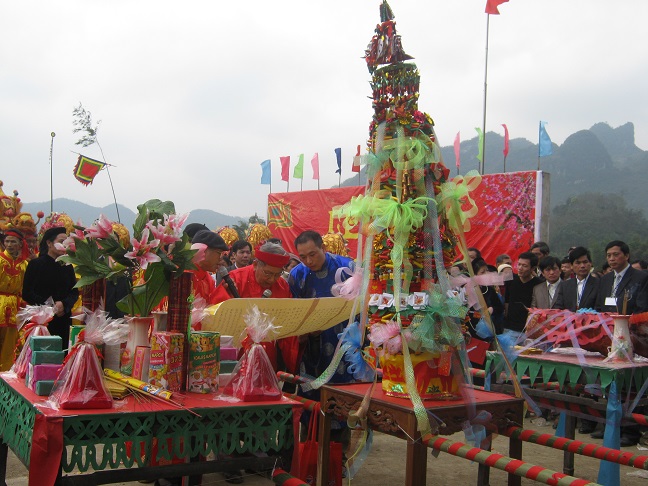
(59, 310)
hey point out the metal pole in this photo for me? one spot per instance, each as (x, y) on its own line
(52, 172)
(483, 160)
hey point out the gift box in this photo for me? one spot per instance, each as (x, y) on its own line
(228, 354)
(227, 366)
(141, 363)
(165, 365)
(44, 388)
(204, 360)
(432, 374)
(46, 343)
(42, 372)
(112, 355)
(75, 330)
(42, 357)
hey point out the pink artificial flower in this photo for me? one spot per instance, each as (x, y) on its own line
(175, 222)
(171, 231)
(102, 228)
(142, 250)
(69, 243)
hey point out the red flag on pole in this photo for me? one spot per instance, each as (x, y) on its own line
(315, 165)
(86, 169)
(356, 161)
(506, 140)
(491, 6)
(285, 168)
(457, 150)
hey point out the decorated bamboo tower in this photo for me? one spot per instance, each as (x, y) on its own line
(409, 217)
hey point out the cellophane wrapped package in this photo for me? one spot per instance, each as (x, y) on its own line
(80, 383)
(254, 379)
(32, 321)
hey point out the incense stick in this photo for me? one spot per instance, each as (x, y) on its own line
(138, 391)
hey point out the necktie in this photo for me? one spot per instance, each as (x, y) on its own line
(617, 281)
(552, 290)
(579, 291)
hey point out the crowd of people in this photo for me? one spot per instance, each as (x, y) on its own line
(544, 281)
(536, 280)
(223, 272)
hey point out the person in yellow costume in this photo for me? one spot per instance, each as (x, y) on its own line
(13, 263)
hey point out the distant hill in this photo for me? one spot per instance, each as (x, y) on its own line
(601, 159)
(86, 214)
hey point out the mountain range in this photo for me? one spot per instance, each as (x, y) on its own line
(85, 213)
(600, 159)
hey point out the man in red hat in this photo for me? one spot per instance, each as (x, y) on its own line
(13, 263)
(261, 279)
(264, 274)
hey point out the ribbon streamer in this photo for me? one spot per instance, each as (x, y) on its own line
(454, 195)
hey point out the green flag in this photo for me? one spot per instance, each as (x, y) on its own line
(298, 172)
(480, 145)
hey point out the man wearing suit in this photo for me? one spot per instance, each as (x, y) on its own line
(580, 292)
(545, 293)
(623, 282)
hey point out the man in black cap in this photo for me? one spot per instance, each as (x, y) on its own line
(45, 278)
(203, 283)
(192, 228)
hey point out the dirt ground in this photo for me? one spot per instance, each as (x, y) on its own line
(385, 465)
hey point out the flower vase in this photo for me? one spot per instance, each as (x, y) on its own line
(621, 349)
(94, 294)
(138, 335)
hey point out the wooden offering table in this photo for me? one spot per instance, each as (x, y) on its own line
(118, 444)
(395, 416)
(580, 386)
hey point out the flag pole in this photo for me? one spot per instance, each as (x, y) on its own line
(110, 179)
(301, 183)
(52, 172)
(340, 179)
(482, 162)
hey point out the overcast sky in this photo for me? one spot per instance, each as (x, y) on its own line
(194, 95)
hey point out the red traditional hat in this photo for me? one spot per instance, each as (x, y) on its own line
(272, 259)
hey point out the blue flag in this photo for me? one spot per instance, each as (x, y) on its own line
(338, 156)
(544, 144)
(266, 172)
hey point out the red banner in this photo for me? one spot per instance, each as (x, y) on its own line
(290, 213)
(506, 222)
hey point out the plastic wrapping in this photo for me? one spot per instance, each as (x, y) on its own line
(32, 320)
(80, 383)
(253, 378)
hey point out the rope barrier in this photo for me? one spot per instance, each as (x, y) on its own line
(282, 478)
(577, 447)
(504, 463)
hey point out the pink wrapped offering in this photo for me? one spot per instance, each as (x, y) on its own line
(33, 321)
(253, 378)
(80, 383)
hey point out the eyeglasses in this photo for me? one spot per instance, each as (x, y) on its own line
(273, 275)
